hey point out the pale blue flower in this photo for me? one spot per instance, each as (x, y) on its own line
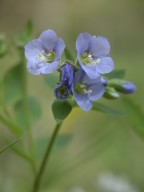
(43, 54)
(93, 55)
(86, 90)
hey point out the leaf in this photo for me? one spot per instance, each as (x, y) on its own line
(61, 110)
(68, 54)
(135, 115)
(105, 109)
(23, 37)
(117, 74)
(9, 146)
(29, 28)
(51, 80)
(12, 85)
(34, 112)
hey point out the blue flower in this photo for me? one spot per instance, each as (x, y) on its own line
(86, 90)
(63, 89)
(43, 54)
(93, 55)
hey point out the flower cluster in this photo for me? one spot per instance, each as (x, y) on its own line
(83, 80)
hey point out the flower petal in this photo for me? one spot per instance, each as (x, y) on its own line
(34, 68)
(90, 70)
(33, 49)
(82, 100)
(49, 39)
(59, 48)
(82, 42)
(97, 91)
(50, 67)
(105, 65)
(99, 46)
(86, 105)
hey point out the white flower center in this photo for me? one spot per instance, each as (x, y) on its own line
(46, 57)
(87, 58)
(81, 88)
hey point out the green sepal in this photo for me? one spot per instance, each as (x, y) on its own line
(111, 93)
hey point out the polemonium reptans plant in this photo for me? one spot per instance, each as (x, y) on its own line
(83, 81)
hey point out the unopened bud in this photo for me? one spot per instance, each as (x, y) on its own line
(111, 93)
(122, 86)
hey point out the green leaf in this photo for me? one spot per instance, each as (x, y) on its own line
(117, 74)
(105, 109)
(51, 80)
(29, 28)
(9, 146)
(23, 37)
(12, 85)
(68, 55)
(34, 115)
(61, 110)
(135, 115)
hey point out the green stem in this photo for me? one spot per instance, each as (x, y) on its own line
(10, 145)
(45, 160)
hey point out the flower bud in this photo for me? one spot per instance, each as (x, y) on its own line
(63, 89)
(111, 93)
(122, 86)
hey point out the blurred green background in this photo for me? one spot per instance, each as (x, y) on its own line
(96, 152)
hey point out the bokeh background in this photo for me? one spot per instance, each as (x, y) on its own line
(97, 152)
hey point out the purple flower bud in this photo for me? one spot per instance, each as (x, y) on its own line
(128, 87)
(122, 86)
(63, 89)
